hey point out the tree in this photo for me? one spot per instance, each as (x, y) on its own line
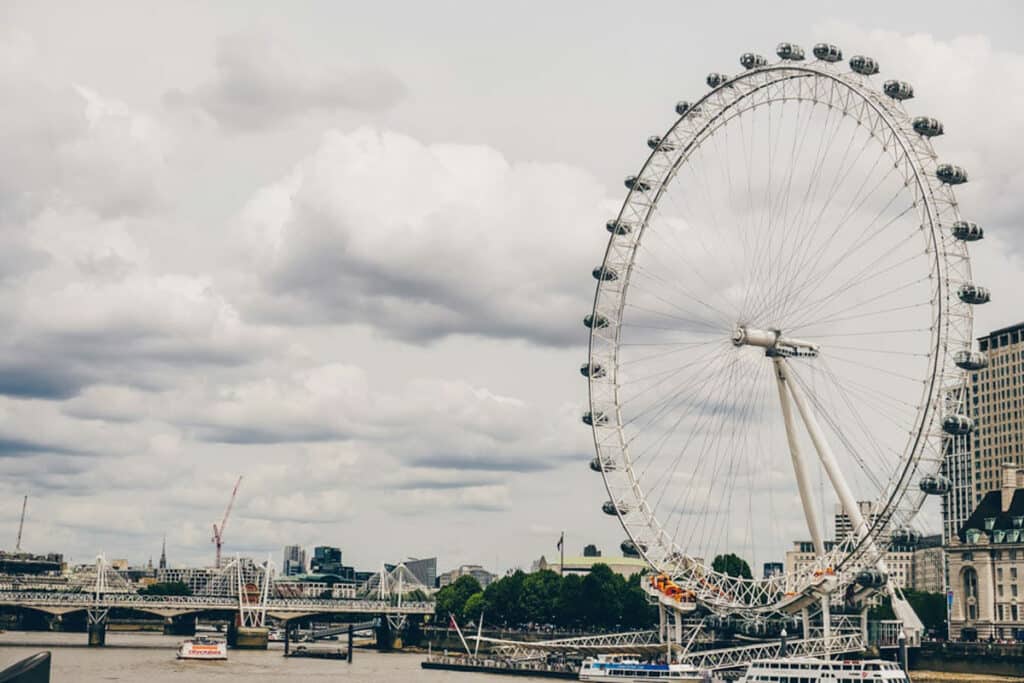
(733, 565)
(540, 597)
(637, 612)
(569, 605)
(474, 608)
(452, 598)
(504, 598)
(602, 591)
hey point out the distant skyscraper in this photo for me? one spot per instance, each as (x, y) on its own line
(326, 560)
(842, 526)
(995, 401)
(163, 553)
(425, 570)
(294, 560)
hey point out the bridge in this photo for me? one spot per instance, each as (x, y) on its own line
(240, 587)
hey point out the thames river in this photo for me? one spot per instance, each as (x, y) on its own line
(150, 658)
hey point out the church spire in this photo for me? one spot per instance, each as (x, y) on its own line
(163, 553)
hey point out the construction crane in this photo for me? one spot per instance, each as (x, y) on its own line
(218, 532)
(21, 525)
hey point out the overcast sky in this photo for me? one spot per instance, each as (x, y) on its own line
(343, 249)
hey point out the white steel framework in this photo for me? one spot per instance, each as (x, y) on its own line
(795, 199)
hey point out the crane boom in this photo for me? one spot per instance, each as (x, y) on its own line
(218, 531)
(21, 524)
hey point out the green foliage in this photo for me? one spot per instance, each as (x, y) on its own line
(169, 588)
(733, 565)
(930, 608)
(601, 600)
(452, 599)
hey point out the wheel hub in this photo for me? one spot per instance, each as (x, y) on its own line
(773, 342)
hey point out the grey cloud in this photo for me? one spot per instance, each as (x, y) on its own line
(15, 447)
(267, 435)
(484, 463)
(36, 379)
(259, 83)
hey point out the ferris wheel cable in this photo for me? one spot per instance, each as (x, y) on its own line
(868, 349)
(804, 252)
(799, 262)
(815, 174)
(822, 411)
(688, 321)
(723, 315)
(856, 245)
(666, 374)
(703, 425)
(873, 333)
(698, 407)
(644, 273)
(859, 316)
(867, 366)
(865, 275)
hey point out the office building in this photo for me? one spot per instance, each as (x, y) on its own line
(773, 569)
(294, 562)
(993, 400)
(326, 560)
(483, 577)
(425, 570)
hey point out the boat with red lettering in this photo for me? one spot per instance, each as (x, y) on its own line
(203, 647)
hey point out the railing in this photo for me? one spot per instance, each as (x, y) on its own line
(735, 657)
(60, 599)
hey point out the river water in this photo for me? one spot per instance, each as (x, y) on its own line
(149, 658)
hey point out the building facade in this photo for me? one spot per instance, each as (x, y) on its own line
(425, 570)
(994, 399)
(483, 577)
(986, 565)
(294, 562)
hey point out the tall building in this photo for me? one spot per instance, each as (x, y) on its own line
(294, 560)
(842, 527)
(425, 570)
(163, 553)
(771, 569)
(994, 399)
(326, 560)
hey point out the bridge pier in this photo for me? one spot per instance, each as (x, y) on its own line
(385, 636)
(97, 627)
(184, 625)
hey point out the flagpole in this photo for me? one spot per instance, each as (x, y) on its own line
(561, 548)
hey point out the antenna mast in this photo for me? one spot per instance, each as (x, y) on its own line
(21, 524)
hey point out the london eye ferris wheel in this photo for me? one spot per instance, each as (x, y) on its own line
(780, 330)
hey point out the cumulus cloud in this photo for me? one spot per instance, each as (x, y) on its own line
(260, 82)
(423, 241)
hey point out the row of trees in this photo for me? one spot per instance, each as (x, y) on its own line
(601, 600)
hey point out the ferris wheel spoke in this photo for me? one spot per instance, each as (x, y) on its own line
(723, 315)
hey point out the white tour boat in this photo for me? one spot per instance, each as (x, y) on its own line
(618, 667)
(203, 647)
(814, 670)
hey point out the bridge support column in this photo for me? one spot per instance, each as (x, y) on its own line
(184, 625)
(385, 636)
(97, 627)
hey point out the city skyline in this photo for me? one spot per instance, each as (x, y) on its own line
(355, 271)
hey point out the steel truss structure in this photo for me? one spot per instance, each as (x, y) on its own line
(789, 260)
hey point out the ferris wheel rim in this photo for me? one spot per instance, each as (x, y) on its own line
(940, 338)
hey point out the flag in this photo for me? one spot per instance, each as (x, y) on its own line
(561, 539)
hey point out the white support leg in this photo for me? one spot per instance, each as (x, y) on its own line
(828, 459)
(799, 466)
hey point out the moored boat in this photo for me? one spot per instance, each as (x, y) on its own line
(202, 647)
(620, 667)
(814, 670)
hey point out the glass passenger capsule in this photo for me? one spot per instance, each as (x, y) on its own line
(607, 465)
(927, 126)
(871, 578)
(866, 66)
(631, 549)
(935, 484)
(619, 227)
(656, 143)
(634, 183)
(748, 60)
(611, 508)
(682, 107)
(716, 79)
(898, 90)
(790, 52)
(593, 370)
(967, 231)
(906, 537)
(605, 273)
(827, 53)
(970, 360)
(951, 174)
(971, 293)
(595, 321)
(957, 425)
(595, 419)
